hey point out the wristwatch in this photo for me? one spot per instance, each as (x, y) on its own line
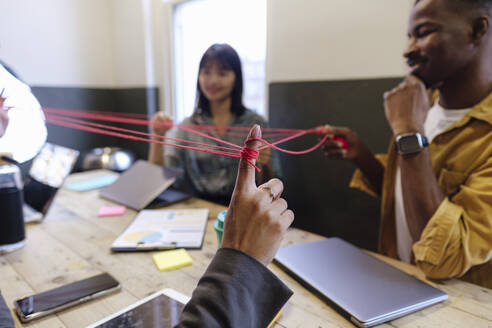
(410, 143)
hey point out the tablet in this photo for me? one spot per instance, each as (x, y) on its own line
(161, 309)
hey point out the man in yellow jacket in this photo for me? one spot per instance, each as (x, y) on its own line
(435, 182)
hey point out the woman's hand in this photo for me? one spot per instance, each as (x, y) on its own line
(264, 157)
(4, 117)
(161, 123)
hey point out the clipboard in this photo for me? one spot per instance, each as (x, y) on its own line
(163, 229)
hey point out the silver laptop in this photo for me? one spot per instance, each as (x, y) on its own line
(138, 186)
(364, 289)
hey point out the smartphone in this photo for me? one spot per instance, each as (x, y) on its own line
(54, 300)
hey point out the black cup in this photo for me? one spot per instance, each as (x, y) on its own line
(11, 216)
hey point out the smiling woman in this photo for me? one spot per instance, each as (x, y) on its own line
(219, 105)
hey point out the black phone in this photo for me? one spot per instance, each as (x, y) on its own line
(54, 300)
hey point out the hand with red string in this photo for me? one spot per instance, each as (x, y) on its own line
(161, 123)
(257, 218)
(346, 144)
(4, 117)
(343, 143)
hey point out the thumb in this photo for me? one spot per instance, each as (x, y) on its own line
(246, 171)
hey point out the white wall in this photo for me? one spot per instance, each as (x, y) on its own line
(126, 43)
(81, 43)
(336, 39)
(58, 42)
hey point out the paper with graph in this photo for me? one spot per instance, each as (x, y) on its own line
(162, 229)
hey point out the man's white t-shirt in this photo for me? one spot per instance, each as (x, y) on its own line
(438, 119)
(26, 130)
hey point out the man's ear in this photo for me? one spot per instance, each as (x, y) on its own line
(481, 26)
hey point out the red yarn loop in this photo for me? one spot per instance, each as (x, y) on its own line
(249, 154)
(79, 120)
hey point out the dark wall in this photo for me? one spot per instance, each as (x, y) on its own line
(135, 100)
(316, 188)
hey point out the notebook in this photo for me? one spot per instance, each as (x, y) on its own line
(138, 186)
(163, 229)
(49, 170)
(365, 290)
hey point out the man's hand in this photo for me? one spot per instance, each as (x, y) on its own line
(406, 106)
(334, 149)
(257, 218)
(161, 123)
(355, 151)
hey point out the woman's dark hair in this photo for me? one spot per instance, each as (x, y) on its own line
(227, 58)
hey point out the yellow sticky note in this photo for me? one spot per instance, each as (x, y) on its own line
(172, 260)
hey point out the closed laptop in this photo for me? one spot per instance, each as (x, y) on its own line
(140, 184)
(365, 290)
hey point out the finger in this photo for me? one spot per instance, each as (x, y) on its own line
(341, 131)
(273, 188)
(279, 206)
(246, 172)
(161, 116)
(326, 129)
(335, 143)
(336, 153)
(287, 218)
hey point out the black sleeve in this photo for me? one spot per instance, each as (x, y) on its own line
(235, 291)
(5, 317)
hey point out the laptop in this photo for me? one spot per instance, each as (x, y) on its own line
(362, 288)
(138, 186)
(49, 170)
(168, 197)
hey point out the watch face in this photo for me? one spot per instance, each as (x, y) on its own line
(409, 144)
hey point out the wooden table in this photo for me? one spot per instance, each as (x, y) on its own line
(72, 243)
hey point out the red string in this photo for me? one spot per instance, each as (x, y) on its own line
(66, 118)
(249, 154)
(102, 116)
(109, 127)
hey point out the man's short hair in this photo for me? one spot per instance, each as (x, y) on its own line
(475, 4)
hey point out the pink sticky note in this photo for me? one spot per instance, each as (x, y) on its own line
(111, 211)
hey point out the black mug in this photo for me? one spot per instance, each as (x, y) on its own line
(12, 222)
(12, 231)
